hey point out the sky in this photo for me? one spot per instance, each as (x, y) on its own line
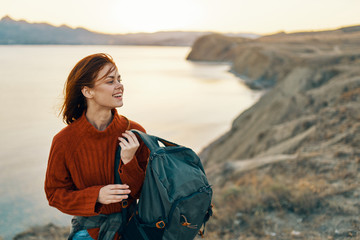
(127, 16)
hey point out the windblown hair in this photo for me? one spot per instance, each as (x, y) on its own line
(83, 74)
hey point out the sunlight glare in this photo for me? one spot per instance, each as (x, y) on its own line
(152, 16)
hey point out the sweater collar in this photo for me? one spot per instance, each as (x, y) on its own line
(85, 126)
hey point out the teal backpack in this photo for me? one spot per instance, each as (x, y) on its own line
(175, 200)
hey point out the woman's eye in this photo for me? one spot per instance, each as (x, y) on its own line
(111, 82)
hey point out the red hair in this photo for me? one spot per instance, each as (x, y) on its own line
(83, 74)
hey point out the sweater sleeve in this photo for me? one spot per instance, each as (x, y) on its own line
(60, 189)
(133, 173)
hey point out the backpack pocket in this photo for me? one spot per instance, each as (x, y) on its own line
(136, 230)
(188, 214)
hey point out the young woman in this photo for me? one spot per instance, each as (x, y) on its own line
(81, 178)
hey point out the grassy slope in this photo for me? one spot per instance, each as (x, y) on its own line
(289, 167)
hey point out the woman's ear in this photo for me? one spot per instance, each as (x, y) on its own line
(87, 92)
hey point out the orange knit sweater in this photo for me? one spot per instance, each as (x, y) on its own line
(81, 161)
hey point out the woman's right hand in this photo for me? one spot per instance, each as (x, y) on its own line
(113, 193)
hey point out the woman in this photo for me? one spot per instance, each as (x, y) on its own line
(81, 173)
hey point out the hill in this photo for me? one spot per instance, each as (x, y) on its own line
(290, 165)
(23, 32)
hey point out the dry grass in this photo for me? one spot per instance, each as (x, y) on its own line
(253, 194)
(242, 207)
(351, 95)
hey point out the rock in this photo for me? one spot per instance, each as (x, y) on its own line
(214, 47)
(49, 231)
(295, 234)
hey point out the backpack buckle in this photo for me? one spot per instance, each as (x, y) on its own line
(185, 223)
(124, 203)
(160, 224)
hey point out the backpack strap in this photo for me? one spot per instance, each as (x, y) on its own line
(152, 142)
(207, 217)
(117, 179)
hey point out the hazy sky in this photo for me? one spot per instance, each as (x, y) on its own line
(120, 16)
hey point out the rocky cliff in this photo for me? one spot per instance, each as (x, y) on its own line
(290, 165)
(263, 61)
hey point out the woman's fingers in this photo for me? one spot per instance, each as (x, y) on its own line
(117, 186)
(124, 142)
(122, 145)
(113, 193)
(116, 192)
(115, 200)
(118, 189)
(117, 197)
(131, 138)
(129, 144)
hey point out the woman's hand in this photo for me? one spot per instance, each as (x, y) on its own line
(129, 144)
(113, 193)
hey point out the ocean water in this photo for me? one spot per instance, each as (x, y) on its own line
(184, 102)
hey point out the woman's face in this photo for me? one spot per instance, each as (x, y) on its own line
(108, 90)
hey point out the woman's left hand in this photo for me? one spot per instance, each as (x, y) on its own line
(129, 144)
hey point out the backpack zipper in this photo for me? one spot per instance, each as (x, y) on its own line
(201, 190)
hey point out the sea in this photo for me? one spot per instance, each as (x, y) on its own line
(190, 103)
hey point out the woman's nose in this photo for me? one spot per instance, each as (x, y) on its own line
(118, 85)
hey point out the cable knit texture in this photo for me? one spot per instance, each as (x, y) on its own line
(81, 161)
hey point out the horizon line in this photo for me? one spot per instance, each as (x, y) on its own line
(194, 31)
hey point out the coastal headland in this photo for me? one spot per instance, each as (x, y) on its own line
(290, 165)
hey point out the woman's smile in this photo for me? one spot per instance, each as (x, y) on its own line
(118, 95)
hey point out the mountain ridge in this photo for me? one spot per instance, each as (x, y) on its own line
(23, 32)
